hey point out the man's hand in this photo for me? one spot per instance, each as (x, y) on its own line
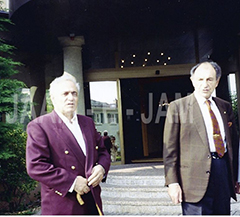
(81, 186)
(97, 176)
(175, 193)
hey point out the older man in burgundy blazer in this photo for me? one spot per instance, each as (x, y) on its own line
(66, 155)
(196, 174)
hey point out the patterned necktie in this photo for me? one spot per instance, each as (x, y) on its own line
(220, 149)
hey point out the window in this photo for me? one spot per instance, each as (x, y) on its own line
(112, 118)
(98, 118)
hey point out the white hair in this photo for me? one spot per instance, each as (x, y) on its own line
(64, 77)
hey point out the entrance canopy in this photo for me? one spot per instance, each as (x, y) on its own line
(173, 31)
(125, 41)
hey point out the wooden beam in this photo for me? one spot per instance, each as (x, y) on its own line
(137, 72)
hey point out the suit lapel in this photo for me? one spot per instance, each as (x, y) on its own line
(67, 137)
(198, 119)
(89, 147)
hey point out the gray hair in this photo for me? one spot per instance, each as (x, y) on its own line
(64, 77)
(216, 67)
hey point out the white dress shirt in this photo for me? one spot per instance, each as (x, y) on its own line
(208, 121)
(75, 129)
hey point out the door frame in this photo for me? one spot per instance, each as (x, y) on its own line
(116, 74)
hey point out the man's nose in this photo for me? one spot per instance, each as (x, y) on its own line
(205, 83)
(70, 96)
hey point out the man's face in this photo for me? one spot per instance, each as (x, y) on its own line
(204, 80)
(65, 98)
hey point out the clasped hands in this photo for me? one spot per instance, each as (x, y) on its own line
(82, 184)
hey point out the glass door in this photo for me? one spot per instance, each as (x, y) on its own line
(104, 104)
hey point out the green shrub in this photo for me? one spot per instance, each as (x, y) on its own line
(15, 183)
(14, 180)
(235, 108)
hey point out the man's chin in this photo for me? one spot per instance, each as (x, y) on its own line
(206, 96)
(69, 112)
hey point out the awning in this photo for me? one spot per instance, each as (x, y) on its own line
(14, 5)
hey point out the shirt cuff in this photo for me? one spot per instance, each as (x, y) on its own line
(172, 184)
(72, 187)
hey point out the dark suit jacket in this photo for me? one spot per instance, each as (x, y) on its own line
(107, 143)
(54, 158)
(186, 150)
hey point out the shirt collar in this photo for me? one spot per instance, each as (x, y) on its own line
(65, 119)
(201, 100)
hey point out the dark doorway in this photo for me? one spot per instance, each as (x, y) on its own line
(144, 105)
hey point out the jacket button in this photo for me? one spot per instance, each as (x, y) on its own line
(96, 147)
(73, 167)
(59, 193)
(208, 172)
(66, 152)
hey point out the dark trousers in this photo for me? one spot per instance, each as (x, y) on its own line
(90, 205)
(217, 198)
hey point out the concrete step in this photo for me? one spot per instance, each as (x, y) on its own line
(140, 206)
(141, 195)
(136, 195)
(136, 192)
(135, 180)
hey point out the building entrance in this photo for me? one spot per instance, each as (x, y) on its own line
(104, 111)
(144, 106)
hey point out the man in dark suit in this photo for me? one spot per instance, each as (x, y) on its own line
(66, 155)
(200, 162)
(107, 141)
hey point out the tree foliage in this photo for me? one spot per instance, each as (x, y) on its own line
(15, 183)
(8, 86)
(13, 176)
(235, 108)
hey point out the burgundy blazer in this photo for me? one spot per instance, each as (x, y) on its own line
(54, 158)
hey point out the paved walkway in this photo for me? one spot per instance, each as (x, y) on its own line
(153, 169)
(138, 169)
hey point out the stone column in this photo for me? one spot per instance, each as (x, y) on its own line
(72, 60)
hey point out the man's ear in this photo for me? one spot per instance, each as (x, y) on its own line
(52, 99)
(217, 82)
(192, 80)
